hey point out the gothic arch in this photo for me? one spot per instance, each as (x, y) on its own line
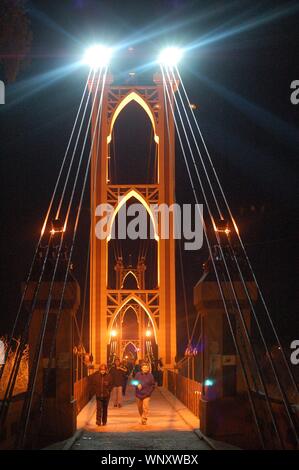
(139, 301)
(127, 308)
(130, 273)
(133, 96)
(129, 195)
(134, 346)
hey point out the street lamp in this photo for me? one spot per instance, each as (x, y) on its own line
(114, 333)
(148, 333)
(57, 226)
(170, 56)
(97, 56)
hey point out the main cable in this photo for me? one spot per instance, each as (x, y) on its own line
(261, 437)
(243, 322)
(284, 397)
(19, 352)
(73, 239)
(21, 438)
(291, 375)
(75, 147)
(8, 349)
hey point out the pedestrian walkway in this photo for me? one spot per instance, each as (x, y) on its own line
(167, 429)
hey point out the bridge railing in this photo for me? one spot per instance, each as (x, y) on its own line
(186, 390)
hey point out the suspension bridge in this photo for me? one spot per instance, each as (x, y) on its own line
(242, 393)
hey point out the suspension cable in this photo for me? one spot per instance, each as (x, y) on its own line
(75, 149)
(33, 375)
(284, 397)
(244, 373)
(290, 372)
(243, 322)
(8, 349)
(180, 248)
(73, 240)
(85, 291)
(19, 352)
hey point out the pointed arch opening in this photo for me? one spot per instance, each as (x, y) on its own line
(130, 281)
(130, 352)
(133, 96)
(130, 324)
(132, 143)
(133, 252)
(129, 300)
(130, 195)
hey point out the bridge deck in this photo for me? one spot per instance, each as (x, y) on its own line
(167, 427)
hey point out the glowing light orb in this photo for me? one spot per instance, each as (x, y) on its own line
(113, 333)
(209, 382)
(148, 333)
(97, 56)
(170, 56)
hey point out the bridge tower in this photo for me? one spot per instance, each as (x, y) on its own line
(158, 304)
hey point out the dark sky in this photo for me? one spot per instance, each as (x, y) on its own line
(240, 60)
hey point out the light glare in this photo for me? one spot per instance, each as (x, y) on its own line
(170, 56)
(209, 382)
(97, 56)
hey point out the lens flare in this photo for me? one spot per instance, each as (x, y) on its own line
(97, 56)
(170, 56)
(209, 382)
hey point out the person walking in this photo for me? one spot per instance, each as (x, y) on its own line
(103, 387)
(126, 377)
(118, 374)
(145, 384)
(137, 367)
(160, 371)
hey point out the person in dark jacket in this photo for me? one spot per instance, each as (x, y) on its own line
(103, 387)
(137, 367)
(126, 376)
(160, 372)
(145, 384)
(118, 376)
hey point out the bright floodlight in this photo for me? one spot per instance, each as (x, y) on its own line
(170, 56)
(97, 56)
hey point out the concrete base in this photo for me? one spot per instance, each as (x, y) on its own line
(59, 412)
(59, 423)
(229, 420)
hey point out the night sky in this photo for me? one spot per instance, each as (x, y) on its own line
(240, 60)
